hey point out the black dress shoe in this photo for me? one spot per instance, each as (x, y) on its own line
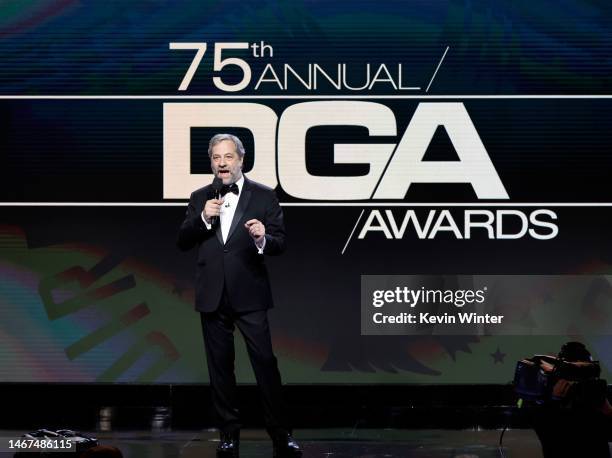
(285, 446)
(229, 447)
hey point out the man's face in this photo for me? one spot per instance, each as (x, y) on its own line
(225, 162)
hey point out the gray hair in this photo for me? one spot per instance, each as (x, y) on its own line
(222, 137)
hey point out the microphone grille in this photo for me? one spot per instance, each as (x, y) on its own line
(217, 184)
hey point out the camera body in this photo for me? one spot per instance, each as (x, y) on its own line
(543, 378)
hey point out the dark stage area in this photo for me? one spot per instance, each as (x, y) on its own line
(328, 443)
(188, 407)
(463, 421)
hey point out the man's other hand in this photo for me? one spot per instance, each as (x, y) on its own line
(256, 230)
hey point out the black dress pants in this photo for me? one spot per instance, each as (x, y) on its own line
(218, 331)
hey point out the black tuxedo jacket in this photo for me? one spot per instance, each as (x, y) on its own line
(235, 265)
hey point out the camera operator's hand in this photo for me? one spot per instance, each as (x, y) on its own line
(606, 408)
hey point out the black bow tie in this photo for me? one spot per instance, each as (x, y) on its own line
(229, 188)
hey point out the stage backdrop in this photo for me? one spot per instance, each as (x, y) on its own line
(458, 143)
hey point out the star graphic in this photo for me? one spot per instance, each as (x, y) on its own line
(498, 356)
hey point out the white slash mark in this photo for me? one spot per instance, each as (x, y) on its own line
(437, 68)
(353, 231)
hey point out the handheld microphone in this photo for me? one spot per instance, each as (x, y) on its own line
(217, 184)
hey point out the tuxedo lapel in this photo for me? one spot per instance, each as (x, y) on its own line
(218, 232)
(243, 203)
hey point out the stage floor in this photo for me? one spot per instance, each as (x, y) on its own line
(328, 443)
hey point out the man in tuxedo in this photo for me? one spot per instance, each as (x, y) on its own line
(233, 232)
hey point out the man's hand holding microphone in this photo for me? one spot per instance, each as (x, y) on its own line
(212, 210)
